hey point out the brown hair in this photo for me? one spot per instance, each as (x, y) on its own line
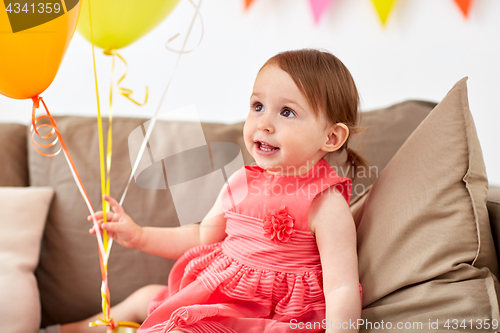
(328, 86)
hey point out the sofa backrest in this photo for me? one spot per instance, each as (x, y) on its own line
(13, 155)
(68, 273)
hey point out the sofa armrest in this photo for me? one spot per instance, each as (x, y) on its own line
(493, 204)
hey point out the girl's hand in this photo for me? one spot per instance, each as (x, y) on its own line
(119, 225)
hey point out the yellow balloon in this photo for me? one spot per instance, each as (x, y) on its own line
(118, 23)
(34, 36)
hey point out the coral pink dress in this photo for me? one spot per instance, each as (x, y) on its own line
(266, 274)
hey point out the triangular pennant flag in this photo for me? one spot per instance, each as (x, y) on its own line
(248, 3)
(464, 6)
(318, 8)
(383, 8)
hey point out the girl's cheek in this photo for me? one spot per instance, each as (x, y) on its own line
(245, 130)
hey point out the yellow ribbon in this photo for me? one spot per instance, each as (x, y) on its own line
(105, 166)
(127, 93)
(112, 325)
(104, 170)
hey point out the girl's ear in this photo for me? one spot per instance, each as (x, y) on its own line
(337, 136)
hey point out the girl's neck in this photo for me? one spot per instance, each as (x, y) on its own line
(294, 171)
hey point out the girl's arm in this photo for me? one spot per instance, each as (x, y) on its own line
(164, 242)
(173, 242)
(330, 220)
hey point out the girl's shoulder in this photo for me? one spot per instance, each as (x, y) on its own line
(322, 177)
(332, 180)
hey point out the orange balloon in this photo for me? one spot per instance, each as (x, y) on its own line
(34, 36)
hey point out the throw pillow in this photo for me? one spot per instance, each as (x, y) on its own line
(23, 211)
(425, 249)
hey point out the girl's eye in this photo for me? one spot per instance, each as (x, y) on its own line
(258, 107)
(287, 112)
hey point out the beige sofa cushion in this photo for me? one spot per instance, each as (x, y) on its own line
(68, 273)
(424, 242)
(13, 155)
(20, 239)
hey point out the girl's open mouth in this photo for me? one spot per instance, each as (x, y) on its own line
(266, 149)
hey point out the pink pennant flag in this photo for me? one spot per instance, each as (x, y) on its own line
(319, 7)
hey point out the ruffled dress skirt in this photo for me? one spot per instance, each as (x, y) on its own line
(220, 288)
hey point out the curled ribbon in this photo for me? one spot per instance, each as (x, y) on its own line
(106, 243)
(127, 93)
(112, 324)
(196, 14)
(35, 130)
(155, 117)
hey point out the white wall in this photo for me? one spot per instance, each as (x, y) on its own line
(426, 47)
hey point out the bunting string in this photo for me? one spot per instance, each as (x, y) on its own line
(383, 8)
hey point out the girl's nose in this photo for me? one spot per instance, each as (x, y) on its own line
(265, 124)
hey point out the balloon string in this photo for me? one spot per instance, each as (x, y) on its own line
(54, 130)
(109, 145)
(112, 324)
(127, 93)
(153, 120)
(103, 258)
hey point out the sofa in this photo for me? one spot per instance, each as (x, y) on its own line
(428, 221)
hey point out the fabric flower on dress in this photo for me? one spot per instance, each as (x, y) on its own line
(278, 225)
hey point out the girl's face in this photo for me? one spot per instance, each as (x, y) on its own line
(281, 132)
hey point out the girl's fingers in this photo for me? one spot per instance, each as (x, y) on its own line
(111, 227)
(114, 204)
(99, 216)
(103, 226)
(93, 229)
(110, 233)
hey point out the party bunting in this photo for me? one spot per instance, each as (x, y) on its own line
(248, 3)
(318, 8)
(464, 6)
(383, 8)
